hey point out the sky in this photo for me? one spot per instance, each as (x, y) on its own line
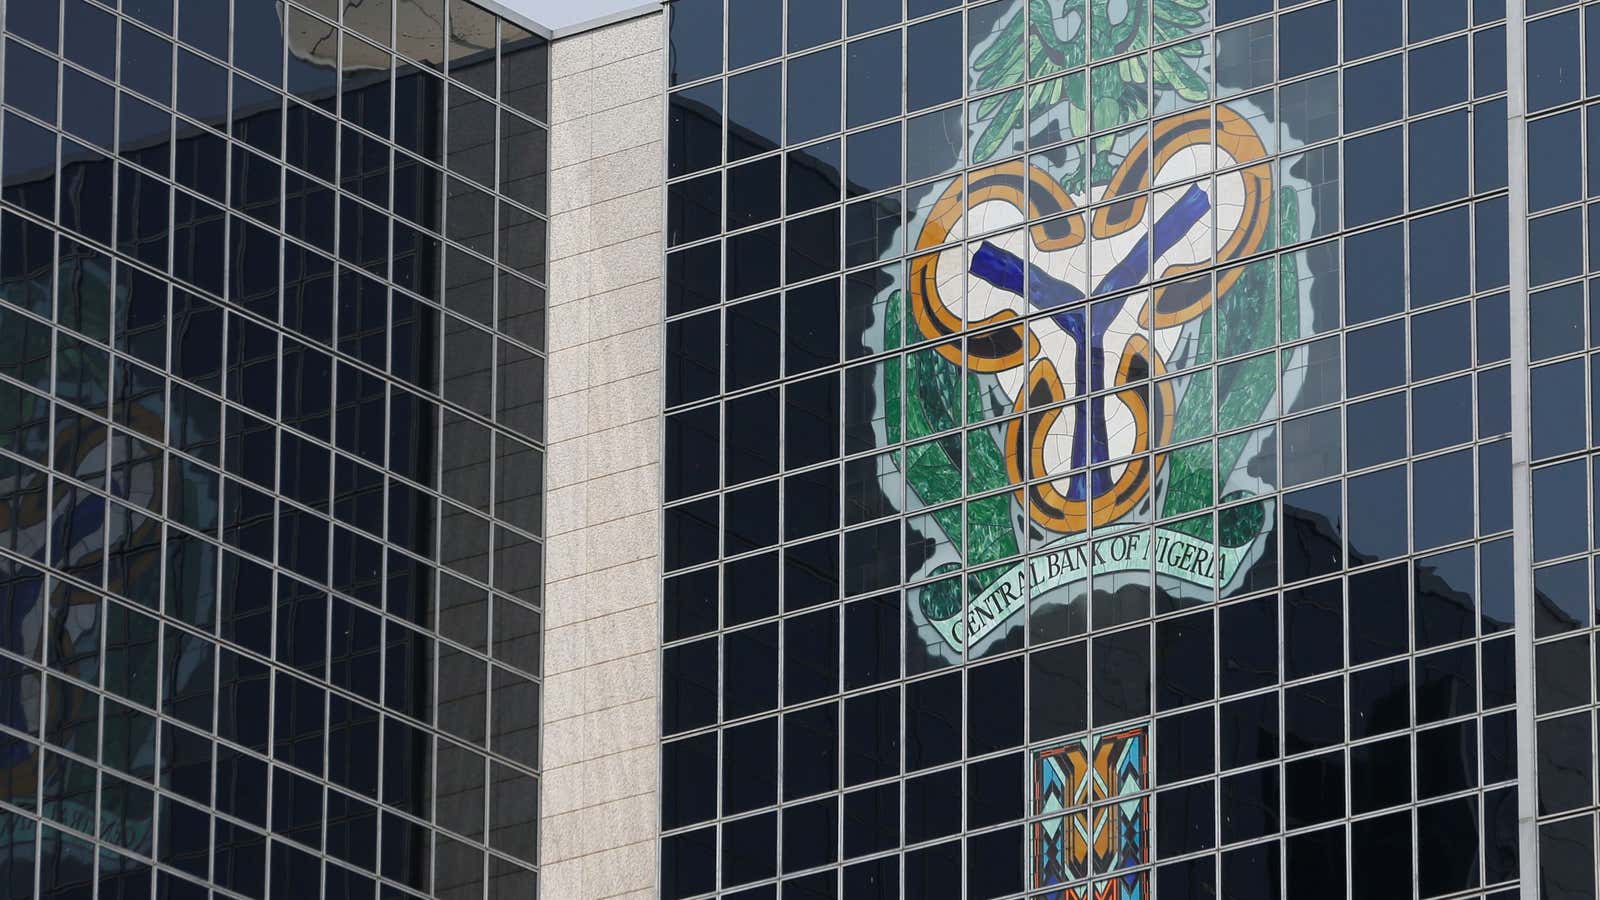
(562, 13)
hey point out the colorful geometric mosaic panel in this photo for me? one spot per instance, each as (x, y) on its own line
(1132, 886)
(1120, 835)
(1061, 849)
(1071, 843)
(1121, 764)
(1061, 777)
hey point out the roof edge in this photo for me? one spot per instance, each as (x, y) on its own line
(521, 18)
(621, 15)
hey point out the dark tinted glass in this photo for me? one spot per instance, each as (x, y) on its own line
(1558, 179)
(1440, 141)
(694, 209)
(933, 74)
(695, 40)
(1433, 275)
(1438, 75)
(1431, 18)
(1308, 39)
(88, 110)
(1376, 287)
(1370, 96)
(813, 110)
(755, 32)
(1371, 26)
(754, 112)
(873, 86)
(812, 23)
(1553, 69)
(866, 15)
(1376, 430)
(1378, 195)
(38, 22)
(30, 81)
(694, 130)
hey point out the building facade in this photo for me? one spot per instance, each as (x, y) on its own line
(815, 449)
(272, 367)
(1094, 458)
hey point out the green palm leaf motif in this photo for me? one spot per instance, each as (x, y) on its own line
(989, 531)
(933, 469)
(1184, 80)
(1118, 95)
(1180, 18)
(1288, 271)
(1000, 64)
(1117, 26)
(1049, 51)
(1193, 417)
(892, 380)
(933, 394)
(1252, 299)
(933, 401)
(1007, 111)
(1254, 382)
(1188, 480)
(1064, 91)
(1239, 525)
(1189, 468)
(941, 599)
(949, 520)
(986, 466)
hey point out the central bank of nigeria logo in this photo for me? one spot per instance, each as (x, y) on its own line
(1086, 455)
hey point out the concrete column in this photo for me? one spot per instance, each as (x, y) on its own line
(1521, 448)
(599, 807)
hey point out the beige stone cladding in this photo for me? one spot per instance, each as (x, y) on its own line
(599, 808)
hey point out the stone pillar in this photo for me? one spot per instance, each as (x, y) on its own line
(599, 805)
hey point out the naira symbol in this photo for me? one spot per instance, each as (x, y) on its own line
(1101, 357)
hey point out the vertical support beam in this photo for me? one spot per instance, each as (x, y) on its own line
(599, 794)
(1521, 447)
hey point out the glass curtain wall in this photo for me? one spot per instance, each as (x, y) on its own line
(259, 635)
(1563, 73)
(1087, 453)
